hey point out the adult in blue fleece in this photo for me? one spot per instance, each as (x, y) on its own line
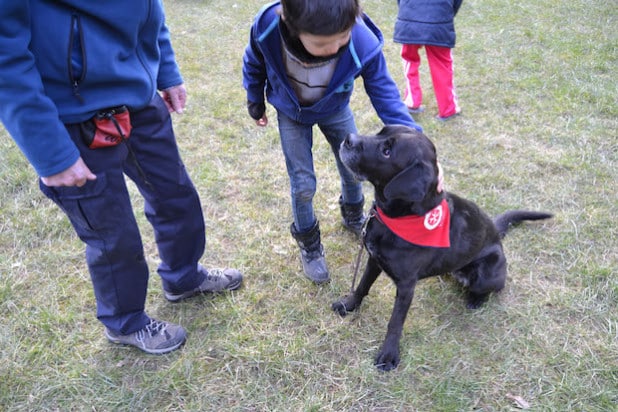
(63, 61)
(303, 56)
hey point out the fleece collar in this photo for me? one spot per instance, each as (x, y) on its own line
(431, 230)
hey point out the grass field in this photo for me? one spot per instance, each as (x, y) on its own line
(537, 85)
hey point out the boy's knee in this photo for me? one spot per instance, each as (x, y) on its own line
(304, 191)
(304, 195)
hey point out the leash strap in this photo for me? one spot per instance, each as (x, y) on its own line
(372, 213)
(357, 265)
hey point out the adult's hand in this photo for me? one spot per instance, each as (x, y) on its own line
(175, 98)
(76, 175)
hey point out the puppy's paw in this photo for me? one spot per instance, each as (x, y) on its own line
(387, 359)
(345, 305)
(476, 300)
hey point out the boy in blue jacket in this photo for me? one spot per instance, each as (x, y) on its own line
(429, 24)
(305, 55)
(67, 64)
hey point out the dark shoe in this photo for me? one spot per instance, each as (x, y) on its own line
(353, 216)
(156, 337)
(312, 254)
(446, 118)
(419, 109)
(217, 280)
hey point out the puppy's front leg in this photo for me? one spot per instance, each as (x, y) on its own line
(388, 357)
(351, 302)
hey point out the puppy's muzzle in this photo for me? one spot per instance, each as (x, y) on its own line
(352, 142)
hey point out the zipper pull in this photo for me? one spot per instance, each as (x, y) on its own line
(76, 91)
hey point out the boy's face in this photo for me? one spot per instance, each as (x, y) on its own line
(324, 46)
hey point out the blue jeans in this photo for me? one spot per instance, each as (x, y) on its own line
(103, 218)
(296, 142)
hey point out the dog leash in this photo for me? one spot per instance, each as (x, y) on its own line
(372, 214)
(357, 264)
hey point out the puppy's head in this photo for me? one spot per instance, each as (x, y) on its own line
(400, 162)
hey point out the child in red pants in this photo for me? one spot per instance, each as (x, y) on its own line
(429, 24)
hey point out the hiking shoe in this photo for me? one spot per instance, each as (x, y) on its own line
(156, 337)
(217, 280)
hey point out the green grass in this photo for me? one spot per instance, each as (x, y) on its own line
(536, 82)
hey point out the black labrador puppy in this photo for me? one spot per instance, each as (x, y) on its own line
(414, 232)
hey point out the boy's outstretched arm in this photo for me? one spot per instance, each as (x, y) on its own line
(384, 94)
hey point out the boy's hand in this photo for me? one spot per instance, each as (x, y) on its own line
(262, 122)
(257, 111)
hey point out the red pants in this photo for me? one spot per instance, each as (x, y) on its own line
(441, 68)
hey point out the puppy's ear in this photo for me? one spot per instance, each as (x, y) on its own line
(411, 184)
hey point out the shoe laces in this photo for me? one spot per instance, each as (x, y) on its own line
(214, 274)
(153, 328)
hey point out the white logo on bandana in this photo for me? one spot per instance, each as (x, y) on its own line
(433, 218)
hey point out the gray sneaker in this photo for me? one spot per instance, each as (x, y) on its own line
(156, 337)
(217, 280)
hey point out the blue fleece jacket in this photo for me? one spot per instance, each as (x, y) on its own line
(426, 22)
(63, 60)
(264, 71)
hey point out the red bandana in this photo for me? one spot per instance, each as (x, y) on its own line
(429, 230)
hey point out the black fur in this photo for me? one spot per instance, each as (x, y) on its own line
(401, 165)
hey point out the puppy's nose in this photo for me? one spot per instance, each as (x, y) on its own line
(349, 141)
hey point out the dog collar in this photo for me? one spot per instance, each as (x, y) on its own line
(430, 230)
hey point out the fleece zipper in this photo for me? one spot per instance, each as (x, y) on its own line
(76, 56)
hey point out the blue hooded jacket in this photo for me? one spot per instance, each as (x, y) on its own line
(63, 60)
(264, 71)
(426, 22)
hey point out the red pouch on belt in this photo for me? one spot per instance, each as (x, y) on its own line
(107, 128)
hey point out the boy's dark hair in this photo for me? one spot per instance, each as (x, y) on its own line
(319, 17)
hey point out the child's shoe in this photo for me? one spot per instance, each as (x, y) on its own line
(447, 118)
(414, 110)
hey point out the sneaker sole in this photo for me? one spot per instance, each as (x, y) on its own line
(177, 298)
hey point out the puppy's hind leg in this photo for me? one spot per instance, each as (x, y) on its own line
(351, 302)
(489, 276)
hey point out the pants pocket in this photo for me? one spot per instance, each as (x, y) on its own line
(90, 207)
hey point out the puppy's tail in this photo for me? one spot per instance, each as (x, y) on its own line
(506, 219)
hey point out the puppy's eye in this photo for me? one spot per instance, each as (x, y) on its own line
(386, 151)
